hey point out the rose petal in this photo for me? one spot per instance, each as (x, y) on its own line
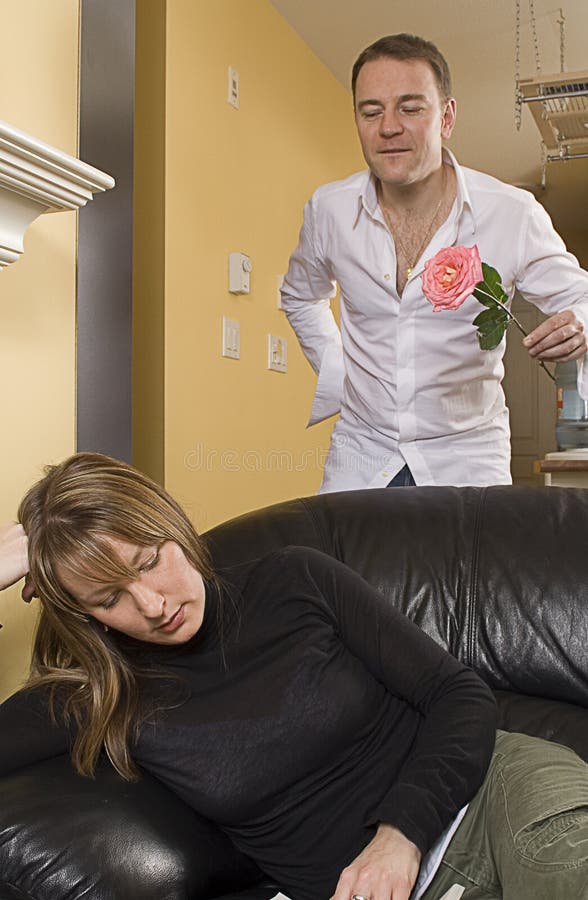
(450, 277)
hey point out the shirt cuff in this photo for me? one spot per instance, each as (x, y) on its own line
(582, 378)
(329, 387)
(582, 363)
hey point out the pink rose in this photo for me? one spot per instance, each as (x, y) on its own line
(451, 276)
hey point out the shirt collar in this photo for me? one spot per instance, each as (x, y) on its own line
(465, 209)
(368, 196)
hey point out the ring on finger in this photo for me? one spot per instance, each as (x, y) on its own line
(359, 897)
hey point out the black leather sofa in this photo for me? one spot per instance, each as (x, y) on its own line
(496, 575)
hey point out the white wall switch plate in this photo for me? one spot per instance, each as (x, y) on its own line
(231, 338)
(239, 273)
(277, 353)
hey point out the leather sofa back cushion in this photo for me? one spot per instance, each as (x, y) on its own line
(496, 575)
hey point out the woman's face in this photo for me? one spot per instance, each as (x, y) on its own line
(163, 605)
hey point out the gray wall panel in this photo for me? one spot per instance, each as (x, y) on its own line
(105, 231)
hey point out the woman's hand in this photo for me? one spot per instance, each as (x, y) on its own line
(386, 869)
(14, 560)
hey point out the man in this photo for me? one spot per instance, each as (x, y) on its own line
(419, 401)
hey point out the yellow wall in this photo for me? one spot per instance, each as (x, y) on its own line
(235, 436)
(233, 180)
(38, 94)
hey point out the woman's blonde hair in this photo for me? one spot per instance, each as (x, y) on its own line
(68, 517)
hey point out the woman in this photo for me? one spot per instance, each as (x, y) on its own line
(331, 739)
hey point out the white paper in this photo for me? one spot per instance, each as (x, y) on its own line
(454, 893)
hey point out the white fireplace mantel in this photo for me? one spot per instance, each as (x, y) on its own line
(36, 178)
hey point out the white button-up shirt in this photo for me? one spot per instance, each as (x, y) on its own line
(413, 386)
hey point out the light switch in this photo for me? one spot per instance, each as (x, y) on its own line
(277, 353)
(233, 96)
(239, 273)
(231, 338)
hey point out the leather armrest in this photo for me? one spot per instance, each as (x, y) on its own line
(105, 839)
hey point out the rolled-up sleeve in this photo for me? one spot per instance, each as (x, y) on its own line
(551, 278)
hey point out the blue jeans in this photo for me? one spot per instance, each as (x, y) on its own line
(525, 834)
(402, 479)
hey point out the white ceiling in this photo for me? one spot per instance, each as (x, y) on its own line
(478, 39)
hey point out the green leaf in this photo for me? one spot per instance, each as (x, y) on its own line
(490, 292)
(490, 339)
(482, 297)
(494, 283)
(490, 336)
(487, 316)
(491, 324)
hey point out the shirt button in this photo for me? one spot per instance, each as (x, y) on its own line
(387, 276)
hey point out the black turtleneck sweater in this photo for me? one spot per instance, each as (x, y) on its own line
(320, 713)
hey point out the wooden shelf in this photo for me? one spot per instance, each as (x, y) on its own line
(561, 465)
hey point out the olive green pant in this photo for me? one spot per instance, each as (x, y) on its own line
(525, 834)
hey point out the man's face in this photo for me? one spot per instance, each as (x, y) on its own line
(401, 119)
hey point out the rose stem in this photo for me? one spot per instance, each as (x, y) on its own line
(517, 323)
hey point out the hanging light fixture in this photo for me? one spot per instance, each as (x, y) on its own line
(558, 103)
